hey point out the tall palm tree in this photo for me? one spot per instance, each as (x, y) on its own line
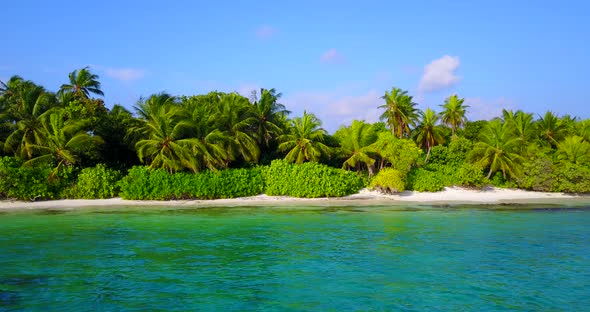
(235, 119)
(499, 149)
(521, 124)
(304, 141)
(583, 129)
(118, 149)
(355, 145)
(551, 128)
(82, 83)
(31, 104)
(574, 149)
(400, 111)
(524, 126)
(269, 114)
(61, 142)
(208, 146)
(164, 145)
(11, 87)
(145, 107)
(428, 133)
(453, 113)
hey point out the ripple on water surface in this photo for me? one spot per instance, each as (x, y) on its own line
(344, 259)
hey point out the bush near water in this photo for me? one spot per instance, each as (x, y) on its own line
(310, 180)
(146, 184)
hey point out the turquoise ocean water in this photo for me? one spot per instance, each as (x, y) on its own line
(304, 259)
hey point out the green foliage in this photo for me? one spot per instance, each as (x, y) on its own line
(96, 182)
(423, 180)
(402, 154)
(389, 180)
(498, 180)
(434, 177)
(453, 113)
(571, 178)
(304, 140)
(428, 133)
(355, 145)
(27, 183)
(143, 183)
(454, 154)
(468, 175)
(310, 180)
(536, 174)
(473, 129)
(498, 149)
(400, 111)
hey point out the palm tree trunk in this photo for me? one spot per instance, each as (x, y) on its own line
(427, 155)
(490, 172)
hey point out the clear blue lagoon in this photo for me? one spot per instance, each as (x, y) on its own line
(296, 259)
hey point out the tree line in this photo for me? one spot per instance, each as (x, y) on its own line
(72, 128)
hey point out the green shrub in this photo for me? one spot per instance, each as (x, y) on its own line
(389, 180)
(310, 180)
(536, 175)
(454, 154)
(498, 180)
(146, 184)
(453, 174)
(31, 183)
(96, 182)
(467, 175)
(423, 180)
(571, 178)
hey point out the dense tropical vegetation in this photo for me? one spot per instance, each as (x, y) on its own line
(68, 144)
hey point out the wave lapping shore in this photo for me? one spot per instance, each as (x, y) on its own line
(451, 195)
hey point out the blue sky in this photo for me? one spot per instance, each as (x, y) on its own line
(333, 58)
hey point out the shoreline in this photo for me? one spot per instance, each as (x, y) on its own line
(450, 196)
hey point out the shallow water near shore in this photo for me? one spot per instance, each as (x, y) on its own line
(410, 258)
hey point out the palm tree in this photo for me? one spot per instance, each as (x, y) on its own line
(355, 145)
(208, 145)
(11, 87)
(453, 113)
(31, 104)
(61, 142)
(428, 133)
(82, 83)
(400, 111)
(551, 129)
(118, 149)
(498, 148)
(164, 145)
(269, 114)
(521, 124)
(304, 139)
(234, 118)
(574, 149)
(145, 107)
(583, 129)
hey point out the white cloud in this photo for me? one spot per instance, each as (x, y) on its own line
(440, 74)
(332, 56)
(265, 32)
(486, 109)
(335, 109)
(124, 74)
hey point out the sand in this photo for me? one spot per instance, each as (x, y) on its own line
(454, 195)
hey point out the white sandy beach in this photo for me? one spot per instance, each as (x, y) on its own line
(364, 197)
